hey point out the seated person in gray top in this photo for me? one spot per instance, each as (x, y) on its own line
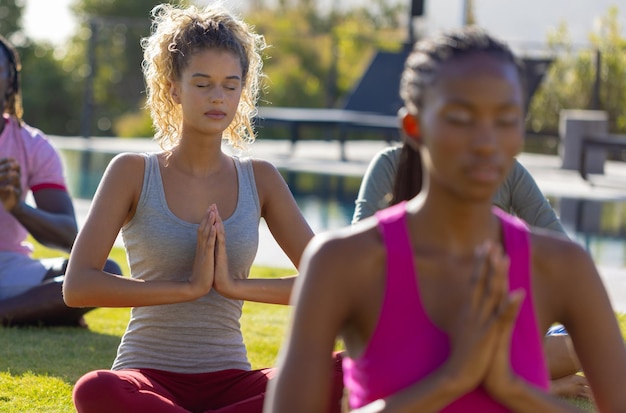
(518, 195)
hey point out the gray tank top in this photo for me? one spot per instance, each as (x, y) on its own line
(199, 336)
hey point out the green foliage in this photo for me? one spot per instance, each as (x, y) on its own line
(41, 74)
(134, 124)
(49, 96)
(569, 83)
(316, 58)
(11, 12)
(109, 40)
(612, 47)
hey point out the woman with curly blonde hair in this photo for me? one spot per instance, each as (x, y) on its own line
(189, 218)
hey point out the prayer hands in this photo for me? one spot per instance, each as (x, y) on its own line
(10, 183)
(480, 340)
(204, 265)
(223, 281)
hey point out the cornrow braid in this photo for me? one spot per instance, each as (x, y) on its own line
(13, 95)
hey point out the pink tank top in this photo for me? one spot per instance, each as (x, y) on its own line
(397, 356)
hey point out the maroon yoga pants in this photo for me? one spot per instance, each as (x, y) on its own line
(150, 391)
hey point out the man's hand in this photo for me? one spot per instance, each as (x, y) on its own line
(10, 183)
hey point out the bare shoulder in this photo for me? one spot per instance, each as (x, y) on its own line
(265, 172)
(269, 182)
(123, 177)
(266, 175)
(552, 250)
(354, 250)
(347, 268)
(128, 162)
(263, 168)
(127, 165)
(563, 272)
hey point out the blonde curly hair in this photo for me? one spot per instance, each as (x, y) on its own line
(176, 35)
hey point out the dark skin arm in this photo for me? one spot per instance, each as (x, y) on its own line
(568, 289)
(52, 223)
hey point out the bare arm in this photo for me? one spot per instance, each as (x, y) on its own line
(520, 195)
(52, 223)
(87, 285)
(577, 297)
(315, 323)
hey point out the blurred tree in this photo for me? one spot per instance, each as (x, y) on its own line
(572, 78)
(611, 47)
(105, 59)
(51, 100)
(318, 56)
(134, 123)
(11, 12)
(48, 96)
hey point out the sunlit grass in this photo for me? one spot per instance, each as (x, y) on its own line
(38, 366)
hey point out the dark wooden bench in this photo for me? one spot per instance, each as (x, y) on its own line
(609, 142)
(373, 103)
(340, 120)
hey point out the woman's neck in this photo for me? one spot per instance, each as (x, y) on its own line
(197, 161)
(455, 226)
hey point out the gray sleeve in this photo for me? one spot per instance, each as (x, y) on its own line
(377, 184)
(520, 195)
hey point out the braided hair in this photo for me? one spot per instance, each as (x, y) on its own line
(12, 99)
(420, 71)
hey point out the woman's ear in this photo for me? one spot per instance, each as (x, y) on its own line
(174, 92)
(410, 124)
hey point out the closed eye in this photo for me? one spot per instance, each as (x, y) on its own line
(231, 86)
(512, 119)
(459, 117)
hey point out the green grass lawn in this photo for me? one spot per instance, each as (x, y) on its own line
(38, 366)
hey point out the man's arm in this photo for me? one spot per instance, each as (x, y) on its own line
(52, 222)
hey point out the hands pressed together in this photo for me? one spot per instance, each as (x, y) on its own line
(481, 338)
(210, 267)
(10, 185)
